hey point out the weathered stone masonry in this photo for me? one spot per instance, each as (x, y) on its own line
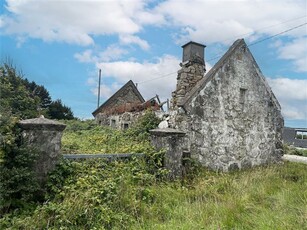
(44, 135)
(124, 107)
(192, 71)
(173, 142)
(231, 117)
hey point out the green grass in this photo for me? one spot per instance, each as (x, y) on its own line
(122, 195)
(97, 194)
(102, 140)
(291, 150)
(272, 197)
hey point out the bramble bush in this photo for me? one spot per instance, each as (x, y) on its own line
(18, 185)
(103, 189)
(102, 194)
(87, 137)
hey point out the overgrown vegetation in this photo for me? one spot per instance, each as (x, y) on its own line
(21, 99)
(98, 194)
(87, 137)
(295, 151)
(123, 195)
(301, 136)
(18, 185)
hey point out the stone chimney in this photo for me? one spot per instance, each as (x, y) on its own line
(193, 52)
(192, 70)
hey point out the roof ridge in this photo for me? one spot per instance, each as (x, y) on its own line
(129, 83)
(212, 71)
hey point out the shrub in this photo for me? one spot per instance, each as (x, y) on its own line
(18, 184)
(145, 123)
(295, 151)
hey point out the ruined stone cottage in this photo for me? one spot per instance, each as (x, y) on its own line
(230, 115)
(124, 107)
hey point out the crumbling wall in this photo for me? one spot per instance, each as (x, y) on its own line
(233, 121)
(119, 121)
(187, 77)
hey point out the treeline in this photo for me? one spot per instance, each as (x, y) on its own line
(25, 99)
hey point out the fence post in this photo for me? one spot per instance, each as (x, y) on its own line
(173, 141)
(44, 135)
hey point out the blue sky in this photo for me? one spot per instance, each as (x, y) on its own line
(62, 44)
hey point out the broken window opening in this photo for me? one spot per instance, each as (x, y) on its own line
(126, 126)
(113, 123)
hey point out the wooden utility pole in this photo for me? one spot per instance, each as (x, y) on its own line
(99, 88)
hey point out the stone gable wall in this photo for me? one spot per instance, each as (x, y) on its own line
(234, 121)
(127, 96)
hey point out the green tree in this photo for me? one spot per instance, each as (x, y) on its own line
(14, 95)
(59, 111)
(39, 91)
(26, 99)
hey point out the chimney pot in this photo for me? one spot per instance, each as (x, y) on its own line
(193, 51)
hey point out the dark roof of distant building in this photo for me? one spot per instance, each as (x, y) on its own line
(117, 93)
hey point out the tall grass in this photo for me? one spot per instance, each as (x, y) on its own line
(122, 195)
(98, 194)
(272, 197)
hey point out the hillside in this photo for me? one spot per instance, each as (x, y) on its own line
(98, 194)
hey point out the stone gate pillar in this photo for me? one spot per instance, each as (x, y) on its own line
(44, 135)
(173, 141)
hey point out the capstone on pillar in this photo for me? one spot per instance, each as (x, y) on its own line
(173, 141)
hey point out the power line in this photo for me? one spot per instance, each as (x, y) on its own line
(275, 35)
(163, 76)
(263, 28)
(259, 41)
(218, 56)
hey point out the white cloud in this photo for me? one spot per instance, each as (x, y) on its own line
(80, 21)
(106, 91)
(143, 73)
(216, 21)
(131, 39)
(292, 95)
(295, 50)
(159, 77)
(76, 22)
(111, 53)
(85, 57)
(72, 21)
(1, 21)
